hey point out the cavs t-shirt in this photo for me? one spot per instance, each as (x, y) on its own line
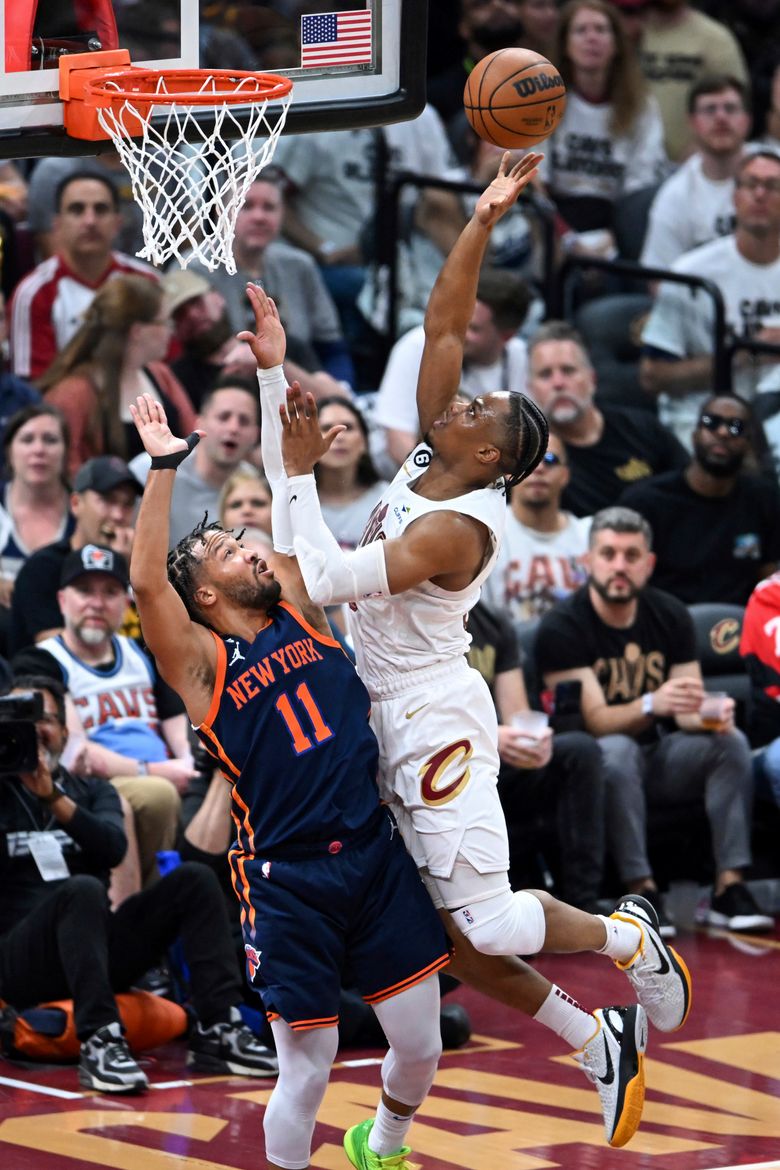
(627, 662)
(633, 446)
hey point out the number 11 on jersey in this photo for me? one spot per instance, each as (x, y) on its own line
(300, 740)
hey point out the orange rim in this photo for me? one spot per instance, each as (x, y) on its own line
(183, 86)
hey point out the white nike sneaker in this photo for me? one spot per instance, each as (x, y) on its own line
(658, 975)
(613, 1059)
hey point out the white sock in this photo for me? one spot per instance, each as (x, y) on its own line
(564, 1016)
(387, 1134)
(623, 939)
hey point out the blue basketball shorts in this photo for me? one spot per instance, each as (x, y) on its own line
(359, 916)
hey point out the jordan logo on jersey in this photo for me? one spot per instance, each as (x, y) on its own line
(237, 655)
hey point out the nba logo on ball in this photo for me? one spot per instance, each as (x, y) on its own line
(514, 98)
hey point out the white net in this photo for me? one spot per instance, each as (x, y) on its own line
(191, 180)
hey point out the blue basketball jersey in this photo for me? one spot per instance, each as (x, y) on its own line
(288, 723)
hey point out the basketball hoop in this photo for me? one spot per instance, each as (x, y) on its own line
(190, 178)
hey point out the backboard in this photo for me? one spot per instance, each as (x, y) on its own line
(352, 62)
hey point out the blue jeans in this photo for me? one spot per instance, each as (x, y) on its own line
(766, 772)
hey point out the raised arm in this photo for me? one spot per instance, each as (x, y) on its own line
(269, 345)
(453, 296)
(184, 651)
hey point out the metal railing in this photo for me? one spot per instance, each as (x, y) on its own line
(561, 304)
(388, 233)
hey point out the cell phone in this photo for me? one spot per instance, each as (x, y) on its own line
(567, 708)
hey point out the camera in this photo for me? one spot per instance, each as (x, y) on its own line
(18, 736)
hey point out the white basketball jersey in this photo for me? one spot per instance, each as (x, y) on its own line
(423, 626)
(116, 707)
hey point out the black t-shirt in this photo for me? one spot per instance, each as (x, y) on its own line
(197, 376)
(709, 549)
(494, 647)
(34, 604)
(93, 841)
(627, 662)
(633, 446)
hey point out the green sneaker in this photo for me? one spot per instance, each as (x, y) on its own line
(356, 1146)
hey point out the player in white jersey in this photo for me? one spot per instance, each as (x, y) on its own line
(429, 544)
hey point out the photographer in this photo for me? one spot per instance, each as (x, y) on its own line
(60, 834)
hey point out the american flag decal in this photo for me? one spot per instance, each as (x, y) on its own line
(336, 38)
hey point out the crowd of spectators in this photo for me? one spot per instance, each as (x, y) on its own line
(681, 473)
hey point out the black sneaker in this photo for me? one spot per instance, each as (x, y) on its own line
(157, 981)
(230, 1047)
(106, 1063)
(666, 927)
(737, 909)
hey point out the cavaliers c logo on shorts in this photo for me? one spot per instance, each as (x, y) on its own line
(436, 786)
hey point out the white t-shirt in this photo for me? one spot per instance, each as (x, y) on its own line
(689, 210)
(395, 405)
(681, 322)
(334, 171)
(535, 569)
(584, 157)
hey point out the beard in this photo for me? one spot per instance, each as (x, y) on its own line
(204, 344)
(92, 635)
(630, 594)
(255, 594)
(721, 468)
(535, 503)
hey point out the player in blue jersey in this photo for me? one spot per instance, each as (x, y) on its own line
(324, 881)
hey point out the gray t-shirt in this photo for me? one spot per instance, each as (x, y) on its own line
(348, 521)
(292, 278)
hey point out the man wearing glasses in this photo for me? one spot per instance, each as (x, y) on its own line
(715, 526)
(676, 365)
(696, 203)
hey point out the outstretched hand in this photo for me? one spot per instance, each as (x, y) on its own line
(504, 190)
(152, 426)
(268, 343)
(303, 443)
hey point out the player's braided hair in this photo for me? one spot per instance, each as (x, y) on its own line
(182, 565)
(528, 433)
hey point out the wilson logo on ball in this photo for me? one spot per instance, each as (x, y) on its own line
(527, 86)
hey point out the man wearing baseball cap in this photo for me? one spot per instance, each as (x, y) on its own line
(203, 332)
(115, 709)
(105, 493)
(210, 352)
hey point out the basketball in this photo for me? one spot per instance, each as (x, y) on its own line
(514, 98)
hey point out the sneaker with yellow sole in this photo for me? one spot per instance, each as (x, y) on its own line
(657, 973)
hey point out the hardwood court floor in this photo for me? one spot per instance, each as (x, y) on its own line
(510, 1100)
